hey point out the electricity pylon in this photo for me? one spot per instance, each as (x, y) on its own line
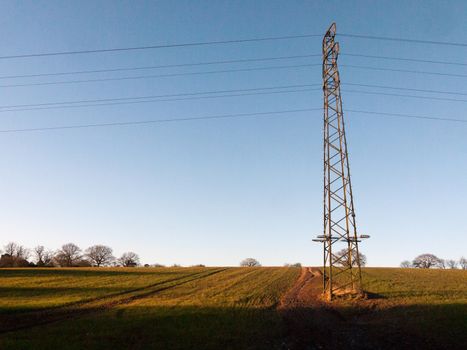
(341, 272)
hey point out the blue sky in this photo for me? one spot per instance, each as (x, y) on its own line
(217, 191)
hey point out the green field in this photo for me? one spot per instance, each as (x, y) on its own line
(430, 304)
(221, 308)
(28, 290)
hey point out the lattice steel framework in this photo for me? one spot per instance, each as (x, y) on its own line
(342, 273)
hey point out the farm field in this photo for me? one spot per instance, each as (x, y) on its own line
(228, 308)
(28, 290)
(412, 308)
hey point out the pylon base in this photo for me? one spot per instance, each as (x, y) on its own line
(345, 294)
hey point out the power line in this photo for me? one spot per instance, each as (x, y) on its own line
(214, 94)
(159, 46)
(409, 96)
(224, 71)
(409, 116)
(225, 116)
(407, 89)
(34, 105)
(219, 42)
(154, 121)
(161, 96)
(157, 67)
(404, 70)
(157, 100)
(413, 41)
(126, 69)
(159, 75)
(404, 59)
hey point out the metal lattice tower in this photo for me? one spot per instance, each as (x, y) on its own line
(341, 272)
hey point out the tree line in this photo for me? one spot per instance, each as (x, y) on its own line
(342, 258)
(427, 261)
(69, 255)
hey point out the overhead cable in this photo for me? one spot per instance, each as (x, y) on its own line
(407, 89)
(159, 75)
(127, 69)
(404, 70)
(159, 46)
(405, 95)
(152, 100)
(407, 40)
(227, 116)
(404, 59)
(156, 121)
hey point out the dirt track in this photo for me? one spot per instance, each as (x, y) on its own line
(307, 316)
(306, 291)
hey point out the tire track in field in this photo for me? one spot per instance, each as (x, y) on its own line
(112, 295)
(46, 316)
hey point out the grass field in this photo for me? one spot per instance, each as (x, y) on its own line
(216, 308)
(430, 303)
(27, 290)
(203, 308)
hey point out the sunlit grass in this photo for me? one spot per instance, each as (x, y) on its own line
(232, 309)
(415, 286)
(29, 289)
(220, 308)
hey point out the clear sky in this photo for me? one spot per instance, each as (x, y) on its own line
(217, 191)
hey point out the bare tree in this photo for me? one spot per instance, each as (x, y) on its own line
(293, 265)
(406, 264)
(342, 258)
(442, 264)
(8, 258)
(15, 255)
(22, 252)
(43, 257)
(39, 252)
(100, 255)
(425, 261)
(463, 263)
(69, 255)
(48, 258)
(249, 262)
(10, 248)
(452, 264)
(129, 259)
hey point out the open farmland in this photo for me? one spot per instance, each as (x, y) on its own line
(228, 308)
(29, 290)
(409, 308)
